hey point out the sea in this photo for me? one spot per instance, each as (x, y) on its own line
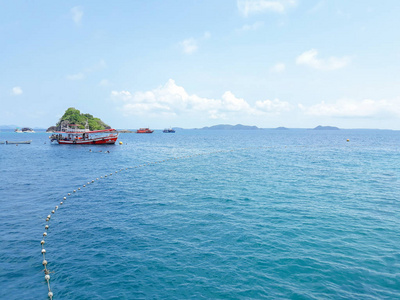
(203, 214)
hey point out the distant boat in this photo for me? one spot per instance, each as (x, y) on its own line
(27, 130)
(18, 142)
(144, 130)
(18, 130)
(169, 130)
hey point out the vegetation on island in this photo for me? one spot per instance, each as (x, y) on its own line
(74, 116)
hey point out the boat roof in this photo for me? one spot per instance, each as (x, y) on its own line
(83, 131)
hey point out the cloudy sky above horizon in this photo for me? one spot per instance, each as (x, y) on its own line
(157, 64)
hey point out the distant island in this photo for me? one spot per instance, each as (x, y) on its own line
(319, 127)
(281, 128)
(230, 127)
(74, 116)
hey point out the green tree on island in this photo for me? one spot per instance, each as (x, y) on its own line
(74, 116)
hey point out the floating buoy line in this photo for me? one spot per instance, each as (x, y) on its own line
(57, 207)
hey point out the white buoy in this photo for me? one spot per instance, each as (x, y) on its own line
(49, 216)
(92, 181)
(74, 191)
(52, 211)
(65, 198)
(79, 189)
(43, 251)
(42, 242)
(44, 262)
(69, 194)
(47, 277)
(50, 294)
(47, 219)
(61, 203)
(46, 227)
(44, 233)
(84, 185)
(56, 207)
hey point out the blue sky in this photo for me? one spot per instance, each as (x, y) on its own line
(292, 63)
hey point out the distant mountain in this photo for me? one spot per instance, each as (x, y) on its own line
(281, 128)
(231, 127)
(326, 128)
(8, 127)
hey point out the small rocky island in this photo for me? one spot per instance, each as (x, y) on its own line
(319, 127)
(230, 127)
(74, 116)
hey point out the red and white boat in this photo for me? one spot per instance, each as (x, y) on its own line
(144, 130)
(71, 135)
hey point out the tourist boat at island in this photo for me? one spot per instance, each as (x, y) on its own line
(144, 130)
(71, 135)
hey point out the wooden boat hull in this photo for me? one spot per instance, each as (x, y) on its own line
(95, 141)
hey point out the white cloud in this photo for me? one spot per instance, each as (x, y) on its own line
(356, 109)
(231, 103)
(104, 82)
(275, 106)
(78, 76)
(251, 27)
(77, 14)
(317, 7)
(309, 58)
(94, 68)
(173, 100)
(189, 46)
(17, 90)
(248, 7)
(278, 68)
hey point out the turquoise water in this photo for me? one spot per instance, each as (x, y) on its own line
(296, 214)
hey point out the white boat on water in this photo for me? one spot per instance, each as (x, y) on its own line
(18, 130)
(27, 130)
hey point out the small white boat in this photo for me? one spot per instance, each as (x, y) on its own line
(18, 130)
(18, 142)
(27, 130)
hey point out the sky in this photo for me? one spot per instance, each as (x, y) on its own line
(191, 63)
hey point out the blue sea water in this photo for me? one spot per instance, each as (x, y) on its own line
(296, 214)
